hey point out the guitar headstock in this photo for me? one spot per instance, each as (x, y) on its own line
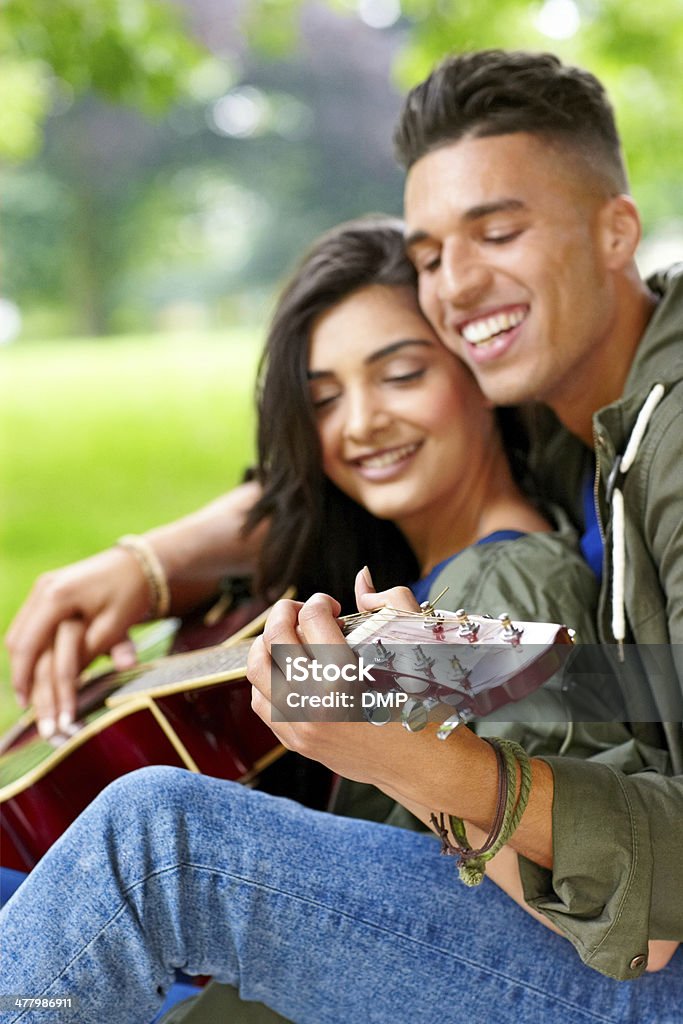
(453, 666)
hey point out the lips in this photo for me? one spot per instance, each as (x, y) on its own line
(387, 463)
(485, 330)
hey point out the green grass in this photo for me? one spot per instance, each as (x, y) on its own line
(108, 436)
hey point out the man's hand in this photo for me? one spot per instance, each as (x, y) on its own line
(368, 600)
(389, 757)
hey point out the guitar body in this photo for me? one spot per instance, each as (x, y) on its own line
(184, 717)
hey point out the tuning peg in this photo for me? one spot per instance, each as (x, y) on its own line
(414, 716)
(382, 655)
(422, 661)
(449, 726)
(377, 714)
(415, 713)
(427, 607)
(511, 634)
(468, 629)
(461, 675)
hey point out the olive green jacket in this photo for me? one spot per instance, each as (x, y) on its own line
(612, 888)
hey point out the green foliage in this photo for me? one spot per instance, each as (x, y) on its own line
(102, 439)
(639, 58)
(135, 52)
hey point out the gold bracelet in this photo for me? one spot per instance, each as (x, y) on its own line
(153, 571)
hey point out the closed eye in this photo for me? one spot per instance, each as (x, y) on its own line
(429, 266)
(404, 378)
(502, 239)
(323, 403)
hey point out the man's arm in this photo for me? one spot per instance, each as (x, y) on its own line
(595, 886)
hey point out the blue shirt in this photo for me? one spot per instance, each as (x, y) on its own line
(422, 586)
(591, 540)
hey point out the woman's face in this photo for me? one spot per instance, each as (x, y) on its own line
(402, 424)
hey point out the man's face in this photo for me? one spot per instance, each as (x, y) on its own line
(506, 234)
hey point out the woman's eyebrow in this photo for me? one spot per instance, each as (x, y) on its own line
(388, 350)
(374, 357)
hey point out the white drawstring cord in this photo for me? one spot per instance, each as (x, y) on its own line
(618, 530)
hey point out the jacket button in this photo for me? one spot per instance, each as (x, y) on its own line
(638, 961)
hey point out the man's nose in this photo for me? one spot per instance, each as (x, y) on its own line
(464, 276)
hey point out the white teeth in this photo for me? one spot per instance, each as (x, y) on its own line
(388, 458)
(484, 330)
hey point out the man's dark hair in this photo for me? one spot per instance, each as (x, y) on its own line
(497, 92)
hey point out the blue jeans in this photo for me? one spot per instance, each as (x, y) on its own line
(327, 920)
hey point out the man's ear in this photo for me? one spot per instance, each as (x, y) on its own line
(621, 231)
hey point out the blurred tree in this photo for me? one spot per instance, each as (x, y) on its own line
(215, 199)
(278, 124)
(637, 56)
(135, 52)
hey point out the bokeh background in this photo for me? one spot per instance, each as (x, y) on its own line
(162, 165)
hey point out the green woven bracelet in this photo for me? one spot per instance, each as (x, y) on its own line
(472, 863)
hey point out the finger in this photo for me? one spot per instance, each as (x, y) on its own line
(43, 696)
(282, 730)
(32, 633)
(281, 624)
(66, 665)
(124, 655)
(363, 585)
(261, 670)
(318, 620)
(104, 632)
(259, 666)
(401, 598)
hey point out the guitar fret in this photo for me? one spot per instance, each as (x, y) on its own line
(188, 668)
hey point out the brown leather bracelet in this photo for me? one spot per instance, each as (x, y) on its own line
(461, 849)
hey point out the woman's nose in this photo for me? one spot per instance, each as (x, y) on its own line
(366, 415)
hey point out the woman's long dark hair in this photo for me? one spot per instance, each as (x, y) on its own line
(318, 537)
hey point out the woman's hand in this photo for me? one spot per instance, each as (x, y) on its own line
(70, 616)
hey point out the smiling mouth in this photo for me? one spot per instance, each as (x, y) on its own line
(390, 457)
(484, 330)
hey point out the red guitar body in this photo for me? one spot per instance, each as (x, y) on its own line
(210, 729)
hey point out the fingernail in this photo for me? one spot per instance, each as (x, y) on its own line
(65, 721)
(46, 727)
(367, 576)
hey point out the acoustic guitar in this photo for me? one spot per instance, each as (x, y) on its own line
(184, 710)
(193, 710)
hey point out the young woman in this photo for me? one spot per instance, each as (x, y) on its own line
(375, 447)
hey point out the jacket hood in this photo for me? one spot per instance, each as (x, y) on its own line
(653, 360)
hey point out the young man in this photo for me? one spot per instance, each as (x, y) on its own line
(524, 236)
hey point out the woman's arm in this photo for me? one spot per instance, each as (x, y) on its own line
(79, 611)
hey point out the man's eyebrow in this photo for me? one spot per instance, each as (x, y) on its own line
(416, 236)
(474, 213)
(374, 357)
(497, 206)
